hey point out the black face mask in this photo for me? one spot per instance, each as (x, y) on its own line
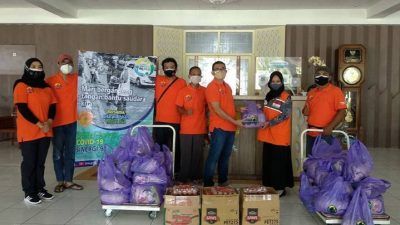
(36, 75)
(169, 73)
(321, 81)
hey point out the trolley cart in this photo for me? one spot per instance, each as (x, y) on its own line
(330, 219)
(154, 208)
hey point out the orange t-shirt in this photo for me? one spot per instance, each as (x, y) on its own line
(194, 99)
(323, 104)
(66, 94)
(38, 101)
(222, 93)
(280, 133)
(166, 109)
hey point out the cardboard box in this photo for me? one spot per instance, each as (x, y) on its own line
(261, 208)
(182, 210)
(220, 209)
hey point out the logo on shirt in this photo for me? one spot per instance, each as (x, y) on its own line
(163, 83)
(29, 90)
(57, 85)
(188, 98)
(221, 91)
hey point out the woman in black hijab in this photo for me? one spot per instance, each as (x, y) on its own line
(275, 135)
(36, 109)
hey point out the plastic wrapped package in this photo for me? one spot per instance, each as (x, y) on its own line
(158, 177)
(147, 194)
(359, 162)
(109, 177)
(308, 193)
(358, 211)
(144, 164)
(334, 198)
(376, 205)
(114, 197)
(184, 190)
(252, 116)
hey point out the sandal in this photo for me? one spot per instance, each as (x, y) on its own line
(74, 186)
(59, 188)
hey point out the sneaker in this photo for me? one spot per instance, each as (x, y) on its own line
(45, 195)
(32, 199)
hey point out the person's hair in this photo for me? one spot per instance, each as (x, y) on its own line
(167, 60)
(275, 93)
(193, 68)
(217, 62)
(324, 69)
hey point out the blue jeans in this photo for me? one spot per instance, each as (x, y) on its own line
(220, 152)
(64, 142)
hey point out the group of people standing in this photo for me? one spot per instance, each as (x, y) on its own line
(46, 111)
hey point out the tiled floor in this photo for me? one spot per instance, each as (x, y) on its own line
(83, 207)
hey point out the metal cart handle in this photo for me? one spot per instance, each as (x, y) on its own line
(173, 140)
(319, 130)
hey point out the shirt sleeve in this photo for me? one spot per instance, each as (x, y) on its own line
(212, 95)
(179, 99)
(20, 94)
(340, 102)
(286, 109)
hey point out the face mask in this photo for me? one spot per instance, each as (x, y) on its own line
(37, 74)
(169, 72)
(220, 75)
(66, 69)
(321, 80)
(275, 86)
(195, 79)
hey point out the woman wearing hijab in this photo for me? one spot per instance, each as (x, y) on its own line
(275, 135)
(36, 108)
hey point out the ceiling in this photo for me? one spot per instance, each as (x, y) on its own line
(200, 4)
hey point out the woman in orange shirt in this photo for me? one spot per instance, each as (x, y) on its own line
(36, 108)
(277, 161)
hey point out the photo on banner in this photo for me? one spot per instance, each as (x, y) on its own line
(115, 93)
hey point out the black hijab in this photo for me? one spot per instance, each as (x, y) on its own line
(28, 79)
(274, 93)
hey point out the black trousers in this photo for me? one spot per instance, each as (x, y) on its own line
(34, 155)
(163, 136)
(277, 166)
(192, 149)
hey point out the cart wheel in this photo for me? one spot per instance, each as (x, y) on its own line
(108, 212)
(153, 215)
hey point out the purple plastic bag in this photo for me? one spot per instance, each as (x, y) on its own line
(358, 211)
(307, 193)
(158, 177)
(376, 205)
(144, 164)
(321, 149)
(338, 163)
(359, 162)
(321, 172)
(114, 197)
(373, 187)
(123, 160)
(147, 194)
(334, 198)
(252, 116)
(168, 160)
(142, 142)
(158, 155)
(109, 177)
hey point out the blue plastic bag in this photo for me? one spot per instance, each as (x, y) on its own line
(142, 142)
(109, 177)
(359, 162)
(358, 211)
(334, 197)
(144, 164)
(322, 149)
(373, 187)
(307, 193)
(114, 197)
(147, 194)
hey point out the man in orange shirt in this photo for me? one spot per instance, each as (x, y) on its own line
(64, 85)
(167, 88)
(222, 126)
(325, 107)
(191, 102)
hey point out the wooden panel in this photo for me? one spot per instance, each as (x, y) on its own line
(382, 83)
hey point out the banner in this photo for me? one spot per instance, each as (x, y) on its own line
(115, 93)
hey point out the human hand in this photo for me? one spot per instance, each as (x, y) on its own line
(265, 125)
(238, 123)
(327, 131)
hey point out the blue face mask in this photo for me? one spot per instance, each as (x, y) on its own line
(275, 86)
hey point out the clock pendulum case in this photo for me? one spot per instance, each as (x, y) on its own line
(351, 72)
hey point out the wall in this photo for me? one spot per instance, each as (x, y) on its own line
(380, 110)
(51, 40)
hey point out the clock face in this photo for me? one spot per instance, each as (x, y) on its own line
(351, 75)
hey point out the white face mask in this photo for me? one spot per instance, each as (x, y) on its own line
(66, 69)
(195, 79)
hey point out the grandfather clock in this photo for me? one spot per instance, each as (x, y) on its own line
(351, 71)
